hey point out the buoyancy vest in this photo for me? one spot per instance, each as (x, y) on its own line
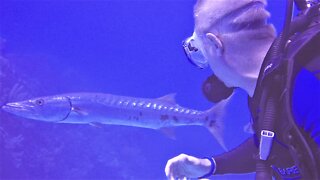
(302, 51)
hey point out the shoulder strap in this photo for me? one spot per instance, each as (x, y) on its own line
(305, 49)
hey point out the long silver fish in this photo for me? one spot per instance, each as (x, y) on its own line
(98, 108)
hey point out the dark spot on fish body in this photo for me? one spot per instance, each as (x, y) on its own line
(164, 117)
(212, 123)
(140, 113)
(175, 118)
(206, 118)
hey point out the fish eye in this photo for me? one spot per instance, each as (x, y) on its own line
(39, 102)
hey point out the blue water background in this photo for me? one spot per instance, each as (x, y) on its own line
(122, 47)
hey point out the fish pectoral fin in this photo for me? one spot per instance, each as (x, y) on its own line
(169, 98)
(95, 124)
(169, 132)
(79, 111)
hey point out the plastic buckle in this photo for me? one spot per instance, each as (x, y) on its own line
(265, 144)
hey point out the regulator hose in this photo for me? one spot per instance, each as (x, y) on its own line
(263, 169)
(215, 90)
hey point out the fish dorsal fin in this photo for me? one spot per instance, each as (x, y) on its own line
(95, 124)
(169, 98)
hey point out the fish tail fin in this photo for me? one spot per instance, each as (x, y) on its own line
(215, 120)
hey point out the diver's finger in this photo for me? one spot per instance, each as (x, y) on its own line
(171, 177)
(168, 168)
(182, 178)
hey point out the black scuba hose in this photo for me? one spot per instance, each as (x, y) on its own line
(279, 44)
(263, 169)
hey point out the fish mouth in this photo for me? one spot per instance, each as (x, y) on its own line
(8, 106)
(14, 107)
(55, 111)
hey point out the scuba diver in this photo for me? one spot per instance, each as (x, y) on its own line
(281, 77)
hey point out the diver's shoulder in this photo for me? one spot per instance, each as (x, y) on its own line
(304, 41)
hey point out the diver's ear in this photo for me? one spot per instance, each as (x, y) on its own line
(217, 43)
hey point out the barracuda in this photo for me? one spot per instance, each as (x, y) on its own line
(98, 108)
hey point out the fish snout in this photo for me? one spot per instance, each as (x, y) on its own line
(12, 107)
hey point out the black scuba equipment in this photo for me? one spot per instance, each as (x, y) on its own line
(274, 84)
(215, 90)
(194, 51)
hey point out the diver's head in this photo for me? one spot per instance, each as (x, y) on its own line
(233, 37)
(51, 108)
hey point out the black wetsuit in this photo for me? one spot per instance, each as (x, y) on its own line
(306, 112)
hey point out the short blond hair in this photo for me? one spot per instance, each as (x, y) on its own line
(229, 15)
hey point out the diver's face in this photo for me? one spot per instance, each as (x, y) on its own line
(242, 47)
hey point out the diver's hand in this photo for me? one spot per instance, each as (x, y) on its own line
(184, 167)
